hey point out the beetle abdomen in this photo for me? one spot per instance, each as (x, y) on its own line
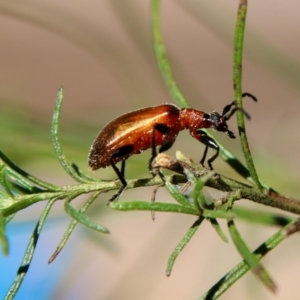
(133, 129)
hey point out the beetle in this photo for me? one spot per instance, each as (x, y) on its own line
(155, 126)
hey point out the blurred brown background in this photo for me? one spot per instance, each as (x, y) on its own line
(101, 51)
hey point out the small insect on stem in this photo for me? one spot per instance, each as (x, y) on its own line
(154, 127)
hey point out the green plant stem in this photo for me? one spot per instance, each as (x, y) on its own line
(223, 183)
(161, 56)
(237, 83)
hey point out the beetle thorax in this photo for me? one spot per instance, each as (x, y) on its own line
(192, 118)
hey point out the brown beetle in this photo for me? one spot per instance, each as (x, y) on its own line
(155, 126)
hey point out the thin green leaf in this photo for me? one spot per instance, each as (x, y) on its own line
(182, 244)
(169, 207)
(256, 267)
(199, 199)
(259, 217)
(237, 83)
(198, 184)
(3, 238)
(9, 218)
(242, 268)
(22, 201)
(161, 56)
(81, 217)
(55, 140)
(3, 195)
(83, 175)
(71, 227)
(23, 177)
(153, 206)
(21, 186)
(20, 183)
(254, 264)
(219, 231)
(29, 253)
(217, 214)
(174, 191)
(4, 182)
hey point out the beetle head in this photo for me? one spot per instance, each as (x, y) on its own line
(219, 122)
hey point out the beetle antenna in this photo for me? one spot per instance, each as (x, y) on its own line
(227, 108)
(231, 113)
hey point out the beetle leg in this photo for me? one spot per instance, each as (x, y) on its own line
(208, 142)
(121, 152)
(166, 146)
(204, 155)
(122, 179)
(123, 167)
(163, 129)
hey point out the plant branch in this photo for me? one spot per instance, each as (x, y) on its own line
(223, 183)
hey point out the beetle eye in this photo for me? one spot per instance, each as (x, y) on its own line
(206, 116)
